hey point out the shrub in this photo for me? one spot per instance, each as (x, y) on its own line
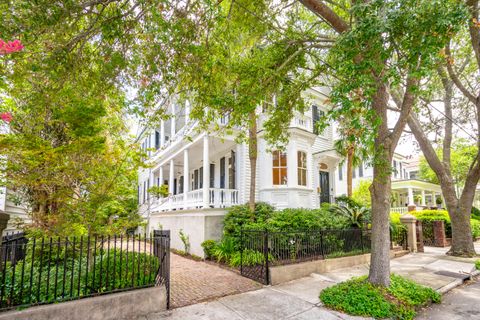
(208, 247)
(185, 240)
(124, 270)
(248, 258)
(356, 215)
(306, 219)
(475, 213)
(359, 297)
(241, 216)
(224, 250)
(475, 228)
(477, 264)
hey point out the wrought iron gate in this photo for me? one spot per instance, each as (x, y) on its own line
(161, 249)
(254, 255)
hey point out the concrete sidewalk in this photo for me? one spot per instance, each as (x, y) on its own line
(299, 299)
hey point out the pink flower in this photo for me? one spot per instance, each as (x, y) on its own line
(10, 47)
(6, 116)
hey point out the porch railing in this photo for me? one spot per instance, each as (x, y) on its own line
(401, 210)
(217, 198)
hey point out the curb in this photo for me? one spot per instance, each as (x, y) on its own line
(456, 283)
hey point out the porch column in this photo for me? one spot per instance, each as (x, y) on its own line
(162, 134)
(160, 176)
(171, 178)
(172, 122)
(423, 198)
(434, 199)
(206, 173)
(411, 201)
(186, 176)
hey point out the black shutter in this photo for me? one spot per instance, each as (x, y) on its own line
(315, 118)
(157, 140)
(231, 171)
(222, 173)
(212, 175)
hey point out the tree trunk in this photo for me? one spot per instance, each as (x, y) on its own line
(349, 171)
(252, 154)
(380, 191)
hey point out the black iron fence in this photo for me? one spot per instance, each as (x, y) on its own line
(262, 248)
(48, 270)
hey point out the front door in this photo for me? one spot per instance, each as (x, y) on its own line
(324, 187)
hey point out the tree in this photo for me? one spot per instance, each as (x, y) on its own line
(462, 153)
(384, 44)
(67, 154)
(467, 171)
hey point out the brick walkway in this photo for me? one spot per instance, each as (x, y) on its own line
(196, 281)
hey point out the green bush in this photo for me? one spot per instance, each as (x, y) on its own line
(475, 224)
(224, 250)
(248, 258)
(124, 270)
(208, 248)
(306, 219)
(239, 217)
(475, 213)
(477, 264)
(359, 297)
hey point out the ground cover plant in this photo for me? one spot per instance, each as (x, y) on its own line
(398, 301)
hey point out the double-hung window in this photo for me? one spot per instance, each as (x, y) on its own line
(279, 167)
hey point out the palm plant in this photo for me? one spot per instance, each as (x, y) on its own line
(355, 214)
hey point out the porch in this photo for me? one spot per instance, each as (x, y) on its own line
(417, 193)
(217, 198)
(192, 184)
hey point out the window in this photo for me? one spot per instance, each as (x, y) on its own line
(360, 170)
(279, 167)
(157, 140)
(302, 168)
(316, 115)
(340, 172)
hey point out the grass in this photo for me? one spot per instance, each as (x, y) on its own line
(359, 297)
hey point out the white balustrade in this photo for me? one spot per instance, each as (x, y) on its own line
(401, 210)
(302, 121)
(218, 198)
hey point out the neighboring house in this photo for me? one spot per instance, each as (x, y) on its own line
(7, 200)
(302, 175)
(407, 188)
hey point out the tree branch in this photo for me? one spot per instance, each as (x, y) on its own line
(327, 14)
(456, 80)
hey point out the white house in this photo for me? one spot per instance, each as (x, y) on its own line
(407, 188)
(300, 176)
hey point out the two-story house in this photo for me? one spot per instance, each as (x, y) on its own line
(407, 187)
(207, 172)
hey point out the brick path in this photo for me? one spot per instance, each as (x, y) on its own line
(195, 281)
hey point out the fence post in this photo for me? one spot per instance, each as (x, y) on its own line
(265, 248)
(410, 222)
